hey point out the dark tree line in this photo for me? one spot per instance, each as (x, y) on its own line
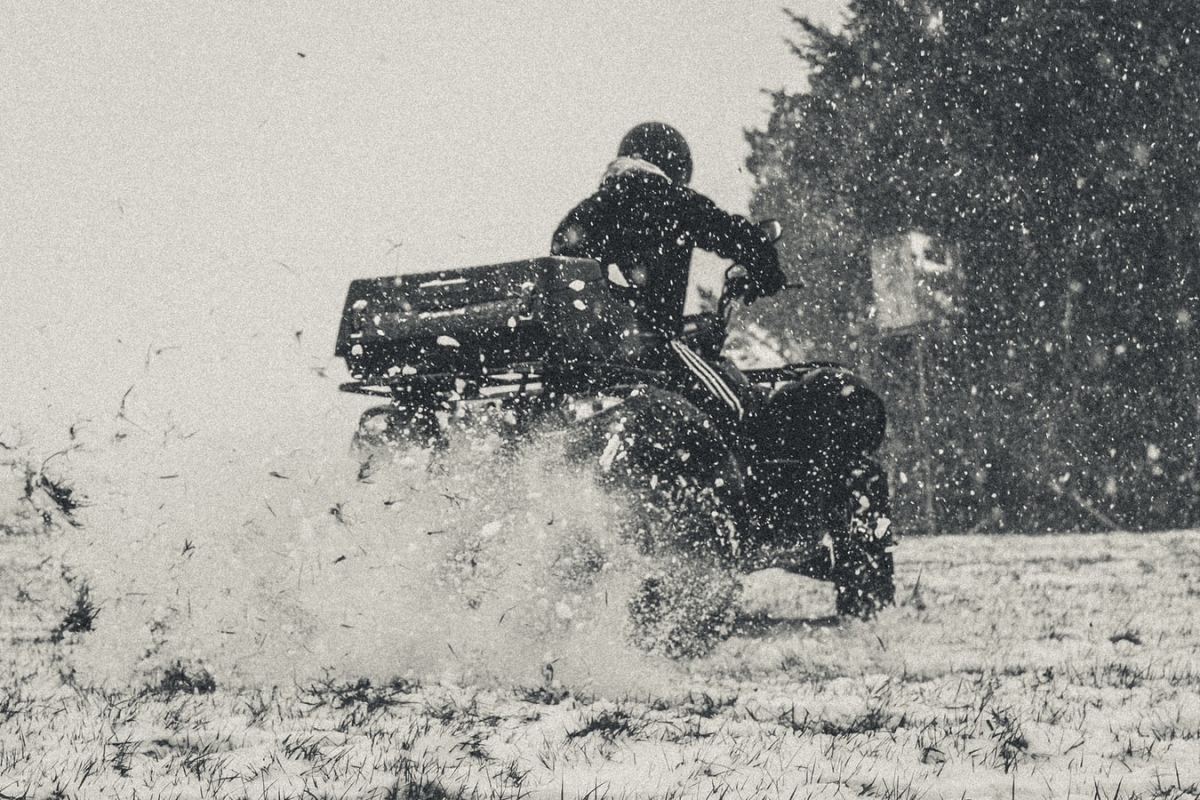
(1056, 143)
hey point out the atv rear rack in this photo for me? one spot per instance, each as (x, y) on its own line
(533, 377)
(448, 384)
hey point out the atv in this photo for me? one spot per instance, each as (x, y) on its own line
(539, 344)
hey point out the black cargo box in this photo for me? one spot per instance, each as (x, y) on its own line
(479, 321)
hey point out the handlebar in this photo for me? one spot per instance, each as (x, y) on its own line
(735, 287)
(737, 284)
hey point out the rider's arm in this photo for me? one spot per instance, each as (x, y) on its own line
(736, 238)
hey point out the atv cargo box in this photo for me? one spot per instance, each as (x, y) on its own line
(484, 324)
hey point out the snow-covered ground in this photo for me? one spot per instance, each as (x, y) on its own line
(292, 631)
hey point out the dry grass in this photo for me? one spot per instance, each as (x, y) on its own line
(1022, 666)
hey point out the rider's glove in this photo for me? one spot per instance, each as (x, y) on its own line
(764, 284)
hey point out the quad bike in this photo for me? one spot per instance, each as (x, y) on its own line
(546, 343)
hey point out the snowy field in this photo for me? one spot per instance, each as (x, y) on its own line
(293, 632)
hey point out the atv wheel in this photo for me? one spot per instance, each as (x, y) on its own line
(679, 481)
(863, 566)
(684, 610)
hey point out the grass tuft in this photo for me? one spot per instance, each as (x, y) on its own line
(42, 500)
(13, 703)
(62, 495)
(58, 491)
(609, 723)
(1131, 635)
(342, 695)
(181, 678)
(81, 615)
(546, 695)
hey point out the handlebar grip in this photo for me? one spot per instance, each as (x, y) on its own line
(738, 285)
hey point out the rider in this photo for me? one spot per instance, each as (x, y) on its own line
(645, 220)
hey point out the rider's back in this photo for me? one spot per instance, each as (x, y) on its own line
(648, 225)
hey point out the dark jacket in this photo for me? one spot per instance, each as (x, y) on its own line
(648, 226)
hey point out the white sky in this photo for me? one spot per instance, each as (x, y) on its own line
(179, 177)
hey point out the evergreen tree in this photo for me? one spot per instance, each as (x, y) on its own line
(1058, 144)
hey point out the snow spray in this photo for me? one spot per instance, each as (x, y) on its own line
(472, 563)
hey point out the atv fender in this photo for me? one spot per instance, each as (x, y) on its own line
(827, 415)
(667, 457)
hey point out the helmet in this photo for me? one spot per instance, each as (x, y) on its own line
(662, 146)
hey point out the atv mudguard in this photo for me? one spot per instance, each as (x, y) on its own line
(816, 413)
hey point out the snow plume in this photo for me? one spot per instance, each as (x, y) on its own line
(469, 564)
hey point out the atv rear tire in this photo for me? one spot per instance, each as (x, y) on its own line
(678, 480)
(863, 565)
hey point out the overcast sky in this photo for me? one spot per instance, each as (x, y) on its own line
(182, 178)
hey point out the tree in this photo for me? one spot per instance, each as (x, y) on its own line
(1059, 145)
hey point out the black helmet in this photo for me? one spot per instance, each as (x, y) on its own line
(662, 146)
